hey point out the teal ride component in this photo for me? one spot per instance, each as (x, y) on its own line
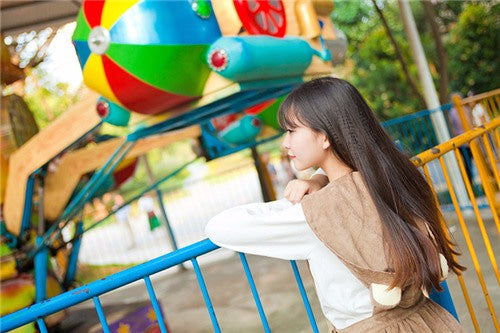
(242, 130)
(112, 113)
(247, 58)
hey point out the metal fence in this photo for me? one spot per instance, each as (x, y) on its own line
(486, 158)
(436, 154)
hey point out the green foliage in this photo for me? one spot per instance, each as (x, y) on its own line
(473, 49)
(47, 100)
(376, 71)
(471, 30)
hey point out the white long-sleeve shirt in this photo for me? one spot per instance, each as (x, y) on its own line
(279, 229)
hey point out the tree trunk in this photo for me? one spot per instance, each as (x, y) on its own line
(399, 54)
(441, 53)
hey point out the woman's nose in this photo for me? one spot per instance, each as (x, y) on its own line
(285, 143)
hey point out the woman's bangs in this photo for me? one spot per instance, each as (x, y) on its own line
(288, 116)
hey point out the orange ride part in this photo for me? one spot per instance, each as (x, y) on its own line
(262, 17)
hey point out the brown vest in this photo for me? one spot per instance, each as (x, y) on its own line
(344, 217)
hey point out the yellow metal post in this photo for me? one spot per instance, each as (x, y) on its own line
(469, 245)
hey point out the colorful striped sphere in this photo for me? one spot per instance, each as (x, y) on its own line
(147, 56)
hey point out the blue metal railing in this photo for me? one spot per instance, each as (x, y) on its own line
(415, 130)
(143, 271)
(415, 133)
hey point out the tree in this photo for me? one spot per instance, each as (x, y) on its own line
(399, 54)
(441, 51)
(460, 40)
(473, 49)
(47, 101)
(373, 60)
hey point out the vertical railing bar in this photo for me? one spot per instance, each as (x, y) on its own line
(255, 294)
(489, 152)
(486, 105)
(466, 232)
(460, 277)
(497, 137)
(303, 293)
(430, 131)
(405, 134)
(421, 129)
(497, 100)
(93, 180)
(489, 191)
(468, 161)
(156, 306)
(100, 314)
(416, 140)
(494, 147)
(206, 296)
(493, 107)
(41, 325)
(479, 220)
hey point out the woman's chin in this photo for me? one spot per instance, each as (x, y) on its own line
(298, 166)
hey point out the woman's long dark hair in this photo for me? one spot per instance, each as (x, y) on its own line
(400, 192)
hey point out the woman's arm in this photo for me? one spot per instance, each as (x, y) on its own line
(275, 229)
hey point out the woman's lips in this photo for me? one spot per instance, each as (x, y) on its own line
(291, 157)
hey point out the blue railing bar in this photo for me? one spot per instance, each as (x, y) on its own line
(156, 306)
(82, 197)
(255, 294)
(92, 181)
(40, 263)
(246, 102)
(405, 118)
(231, 104)
(422, 124)
(405, 135)
(208, 111)
(303, 294)
(152, 130)
(97, 182)
(28, 204)
(100, 314)
(206, 296)
(271, 83)
(41, 325)
(432, 132)
(423, 131)
(99, 287)
(444, 107)
(170, 231)
(149, 188)
(416, 136)
(73, 256)
(79, 232)
(193, 115)
(77, 141)
(252, 144)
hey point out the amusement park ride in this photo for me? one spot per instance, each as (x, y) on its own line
(168, 70)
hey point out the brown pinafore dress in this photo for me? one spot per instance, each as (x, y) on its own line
(343, 216)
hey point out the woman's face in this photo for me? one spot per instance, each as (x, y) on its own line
(305, 147)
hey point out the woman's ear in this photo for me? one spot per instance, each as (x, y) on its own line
(324, 141)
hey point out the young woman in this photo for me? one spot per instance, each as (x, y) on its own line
(372, 235)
